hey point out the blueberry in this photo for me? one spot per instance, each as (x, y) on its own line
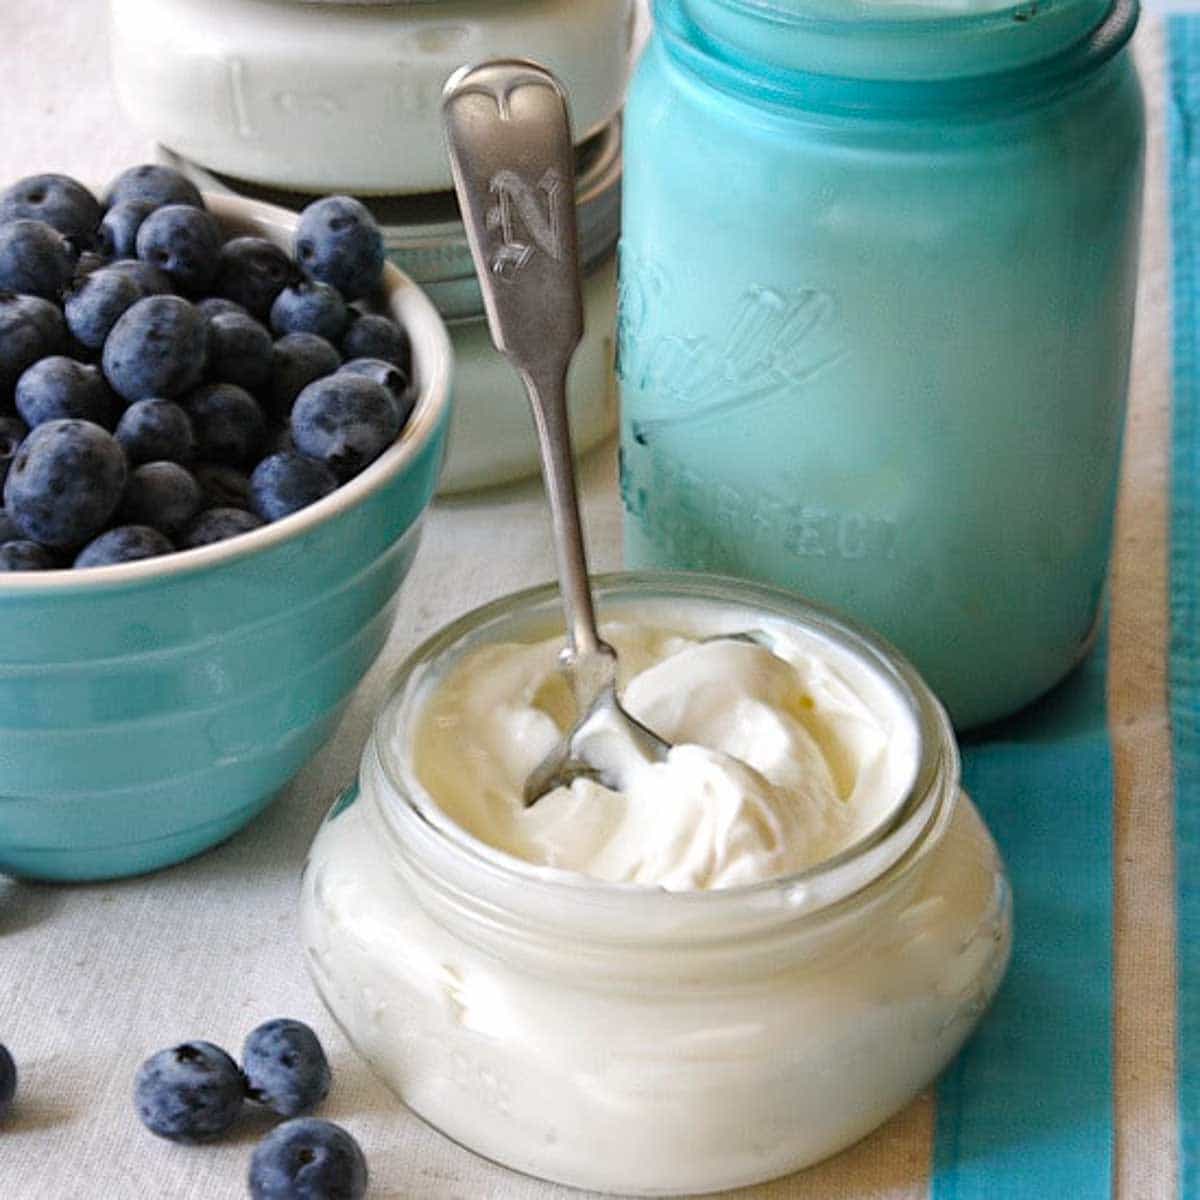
(155, 430)
(157, 348)
(189, 1092)
(12, 433)
(296, 361)
(117, 235)
(373, 336)
(24, 555)
(392, 377)
(285, 1067)
(223, 487)
(239, 350)
(34, 258)
(97, 302)
(45, 315)
(124, 543)
(65, 483)
(213, 306)
(154, 185)
(338, 242)
(149, 278)
(217, 524)
(85, 264)
(8, 1081)
(30, 328)
(346, 421)
(58, 200)
(9, 532)
(182, 241)
(310, 307)
(308, 1159)
(58, 388)
(162, 495)
(286, 482)
(252, 271)
(230, 427)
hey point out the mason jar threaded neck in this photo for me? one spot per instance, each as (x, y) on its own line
(903, 57)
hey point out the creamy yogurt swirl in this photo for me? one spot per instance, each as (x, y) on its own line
(784, 754)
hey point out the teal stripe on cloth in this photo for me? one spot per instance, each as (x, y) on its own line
(1026, 1111)
(1184, 666)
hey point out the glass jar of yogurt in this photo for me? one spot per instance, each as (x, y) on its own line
(706, 975)
(878, 270)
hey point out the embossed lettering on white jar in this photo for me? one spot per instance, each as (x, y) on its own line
(347, 97)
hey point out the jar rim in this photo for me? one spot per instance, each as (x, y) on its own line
(923, 810)
(912, 66)
(807, 13)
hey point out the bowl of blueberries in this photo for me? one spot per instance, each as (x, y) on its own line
(220, 426)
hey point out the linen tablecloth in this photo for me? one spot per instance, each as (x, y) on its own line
(93, 978)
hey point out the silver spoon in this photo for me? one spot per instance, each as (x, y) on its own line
(513, 160)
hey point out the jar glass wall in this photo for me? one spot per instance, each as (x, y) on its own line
(874, 333)
(629, 1039)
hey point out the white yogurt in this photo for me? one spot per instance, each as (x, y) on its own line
(779, 760)
(720, 970)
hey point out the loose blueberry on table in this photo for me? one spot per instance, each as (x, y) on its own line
(161, 389)
(193, 1092)
(189, 1093)
(285, 1067)
(8, 1081)
(308, 1159)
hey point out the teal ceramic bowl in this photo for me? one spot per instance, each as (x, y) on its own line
(149, 710)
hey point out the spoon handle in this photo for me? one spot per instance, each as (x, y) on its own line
(513, 160)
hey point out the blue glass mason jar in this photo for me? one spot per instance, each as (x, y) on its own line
(877, 289)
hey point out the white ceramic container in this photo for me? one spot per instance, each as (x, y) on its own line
(345, 97)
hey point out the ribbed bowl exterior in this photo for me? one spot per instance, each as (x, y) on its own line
(147, 714)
